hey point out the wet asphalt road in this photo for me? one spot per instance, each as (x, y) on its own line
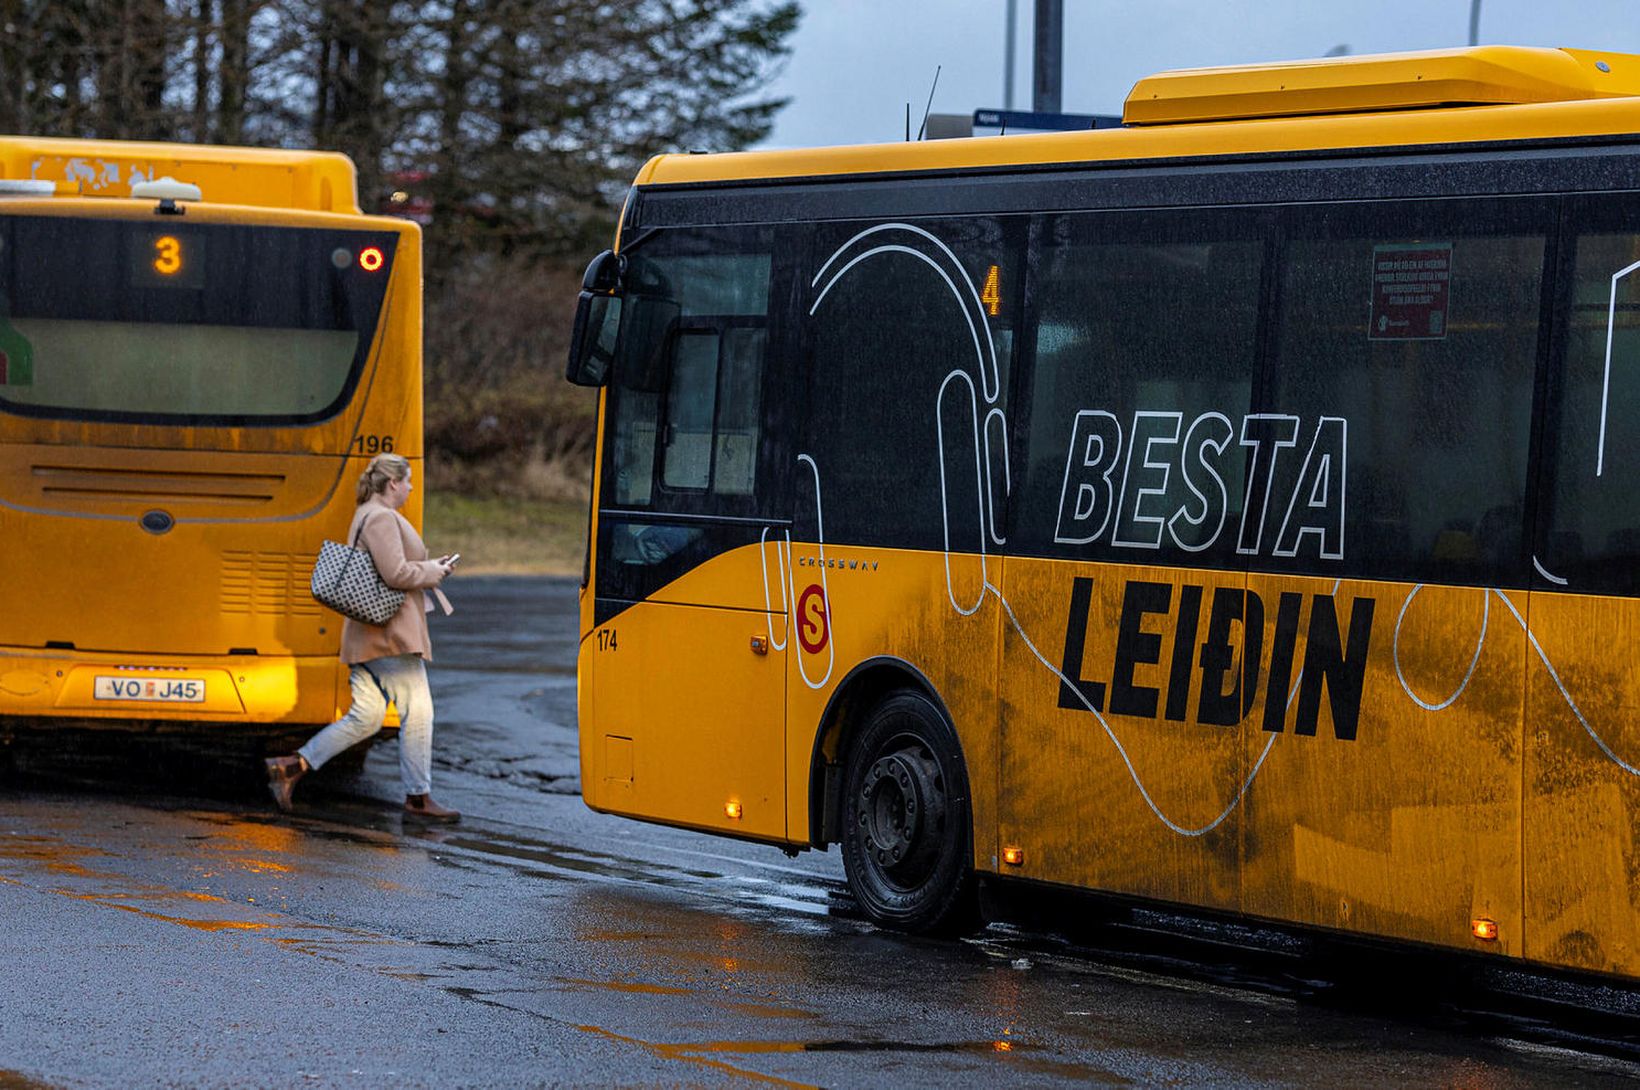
(174, 930)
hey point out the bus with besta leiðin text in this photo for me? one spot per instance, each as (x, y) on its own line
(200, 350)
(1232, 510)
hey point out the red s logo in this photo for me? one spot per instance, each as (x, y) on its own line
(812, 619)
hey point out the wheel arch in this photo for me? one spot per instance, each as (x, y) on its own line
(860, 688)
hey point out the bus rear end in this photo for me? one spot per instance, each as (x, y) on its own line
(188, 392)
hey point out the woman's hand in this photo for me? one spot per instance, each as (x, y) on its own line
(447, 564)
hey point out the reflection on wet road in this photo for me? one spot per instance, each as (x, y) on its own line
(167, 933)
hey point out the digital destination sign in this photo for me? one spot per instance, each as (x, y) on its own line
(167, 259)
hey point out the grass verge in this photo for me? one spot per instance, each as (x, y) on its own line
(506, 536)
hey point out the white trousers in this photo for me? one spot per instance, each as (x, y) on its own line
(401, 679)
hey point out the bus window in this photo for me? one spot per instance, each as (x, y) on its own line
(712, 411)
(1407, 352)
(685, 424)
(197, 324)
(1145, 355)
(739, 412)
(690, 409)
(1592, 538)
(911, 345)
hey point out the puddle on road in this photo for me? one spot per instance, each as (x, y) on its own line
(461, 848)
(769, 1010)
(61, 868)
(692, 1054)
(249, 841)
(51, 853)
(1016, 1055)
(630, 987)
(60, 861)
(246, 845)
(180, 921)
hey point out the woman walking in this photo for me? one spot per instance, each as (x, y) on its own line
(388, 661)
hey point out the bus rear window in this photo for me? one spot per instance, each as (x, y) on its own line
(172, 322)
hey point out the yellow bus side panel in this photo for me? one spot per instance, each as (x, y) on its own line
(1271, 136)
(1582, 806)
(1400, 796)
(733, 580)
(1412, 828)
(896, 604)
(1093, 797)
(689, 719)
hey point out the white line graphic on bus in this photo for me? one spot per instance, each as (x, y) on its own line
(790, 602)
(1606, 377)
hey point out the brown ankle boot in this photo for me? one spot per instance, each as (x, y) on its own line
(283, 772)
(423, 808)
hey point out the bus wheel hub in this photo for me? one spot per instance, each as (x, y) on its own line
(899, 804)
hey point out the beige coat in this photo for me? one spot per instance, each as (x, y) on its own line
(401, 559)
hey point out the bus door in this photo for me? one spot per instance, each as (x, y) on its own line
(688, 651)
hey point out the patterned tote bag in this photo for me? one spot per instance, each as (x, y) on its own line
(345, 579)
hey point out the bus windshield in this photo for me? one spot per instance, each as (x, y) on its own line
(174, 322)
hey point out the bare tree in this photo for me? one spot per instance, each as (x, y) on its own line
(234, 70)
(521, 120)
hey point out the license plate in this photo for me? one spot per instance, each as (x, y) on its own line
(171, 690)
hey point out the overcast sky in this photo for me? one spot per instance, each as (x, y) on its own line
(856, 63)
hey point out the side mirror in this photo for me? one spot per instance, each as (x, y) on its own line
(593, 339)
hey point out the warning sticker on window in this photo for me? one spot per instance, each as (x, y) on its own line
(1409, 291)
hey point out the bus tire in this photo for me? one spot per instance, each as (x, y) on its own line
(907, 825)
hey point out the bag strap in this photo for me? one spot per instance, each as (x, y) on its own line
(387, 697)
(352, 555)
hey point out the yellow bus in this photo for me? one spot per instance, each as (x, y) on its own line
(200, 348)
(1235, 509)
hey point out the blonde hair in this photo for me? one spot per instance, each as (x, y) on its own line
(382, 469)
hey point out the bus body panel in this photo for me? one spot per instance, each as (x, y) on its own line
(892, 605)
(267, 177)
(1582, 867)
(214, 582)
(1140, 796)
(1371, 812)
(42, 688)
(686, 727)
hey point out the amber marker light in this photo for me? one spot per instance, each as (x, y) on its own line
(731, 810)
(1484, 929)
(1013, 856)
(370, 258)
